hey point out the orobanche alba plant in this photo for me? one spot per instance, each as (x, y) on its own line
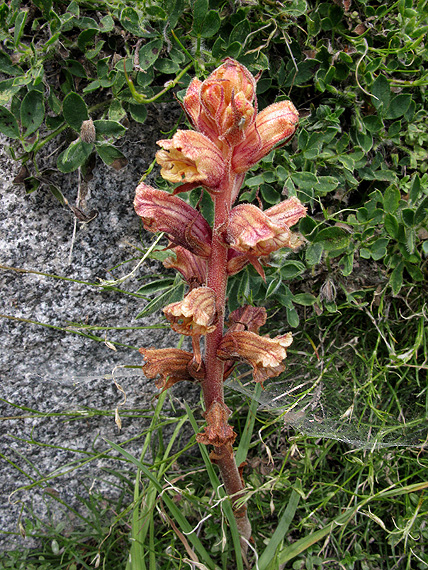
(229, 137)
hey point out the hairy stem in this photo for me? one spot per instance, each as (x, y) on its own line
(212, 385)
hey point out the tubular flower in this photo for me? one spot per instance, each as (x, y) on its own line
(217, 432)
(264, 354)
(191, 157)
(274, 125)
(223, 106)
(258, 233)
(162, 212)
(171, 364)
(191, 267)
(195, 314)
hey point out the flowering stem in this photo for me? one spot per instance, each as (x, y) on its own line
(212, 385)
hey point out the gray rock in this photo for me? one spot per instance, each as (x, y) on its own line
(48, 370)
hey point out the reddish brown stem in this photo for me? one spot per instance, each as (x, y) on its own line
(212, 385)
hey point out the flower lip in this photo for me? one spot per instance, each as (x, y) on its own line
(162, 212)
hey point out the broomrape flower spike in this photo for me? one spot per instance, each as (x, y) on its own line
(229, 136)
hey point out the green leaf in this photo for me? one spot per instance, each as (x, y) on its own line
(305, 299)
(391, 225)
(32, 112)
(20, 22)
(138, 112)
(326, 184)
(85, 38)
(156, 286)
(74, 110)
(347, 264)
(74, 156)
(334, 238)
(211, 25)
(130, 21)
(240, 32)
(108, 128)
(44, 5)
(396, 278)
(391, 199)
(111, 155)
(398, 106)
(174, 293)
(149, 53)
(304, 179)
(200, 10)
(291, 269)
(292, 318)
(313, 253)
(75, 68)
(8, 124)
(269, 194)
(415, 190)
(381, 92)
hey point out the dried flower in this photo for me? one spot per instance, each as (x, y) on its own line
(264, 354)
(171, 364)
(87, 132)
(162, 212)
(195, 314)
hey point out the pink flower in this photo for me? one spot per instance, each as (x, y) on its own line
(257, 233)
(264, 354)
(162, 212)
(274, 125)
(192, 158)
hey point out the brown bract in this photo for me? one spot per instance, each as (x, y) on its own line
(195, 314)
(247, 318)
(264, 354)
(217, 432)
(162, 212)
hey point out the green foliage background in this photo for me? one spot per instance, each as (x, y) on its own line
(357, 72)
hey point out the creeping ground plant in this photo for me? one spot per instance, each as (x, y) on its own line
(229, 136)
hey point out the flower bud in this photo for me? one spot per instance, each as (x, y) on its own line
(162, 212)
(87, 131)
